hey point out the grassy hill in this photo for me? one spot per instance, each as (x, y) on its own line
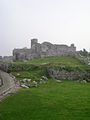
(38, 67)
(69, 100)
(64, 60)
(51, 101)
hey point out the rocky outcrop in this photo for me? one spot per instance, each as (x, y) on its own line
(8, 85)
(68, 75)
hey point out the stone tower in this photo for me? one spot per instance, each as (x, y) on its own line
(73, 48)
(34, 42)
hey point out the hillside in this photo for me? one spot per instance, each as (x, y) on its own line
(40, 67)
(34, 69)
(64, 60)
(50, 100)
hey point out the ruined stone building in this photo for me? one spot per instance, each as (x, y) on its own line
(44, 49)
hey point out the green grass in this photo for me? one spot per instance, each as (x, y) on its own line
(34, 75)
(66, 60)
(36, 68)
(51, 101)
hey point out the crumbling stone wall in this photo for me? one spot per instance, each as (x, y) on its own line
(43, 50)
(68, 75)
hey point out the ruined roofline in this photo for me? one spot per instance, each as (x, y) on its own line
(61, 45)
(45, 42)
(35, 41)
(56, 44)
(65, 45)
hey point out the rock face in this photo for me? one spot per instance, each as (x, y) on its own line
(43, 50)
(8, 85)
(65, 75)
(1, 82)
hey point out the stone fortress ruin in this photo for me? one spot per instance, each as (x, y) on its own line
(44, 49)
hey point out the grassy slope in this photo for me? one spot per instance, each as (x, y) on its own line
(51, 101)
(54, 61)
(71, 61)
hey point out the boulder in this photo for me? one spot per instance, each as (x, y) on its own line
(44, 78)
(59, 81)
(83, 81)
(24, 86)
(34, 84)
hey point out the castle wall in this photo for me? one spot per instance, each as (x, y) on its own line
(21, 54)
(43, 50)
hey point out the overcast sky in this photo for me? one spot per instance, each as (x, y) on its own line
(55, 21)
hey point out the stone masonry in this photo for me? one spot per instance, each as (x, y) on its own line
(44, 49)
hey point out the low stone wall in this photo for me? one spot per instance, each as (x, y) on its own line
(65, 75)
